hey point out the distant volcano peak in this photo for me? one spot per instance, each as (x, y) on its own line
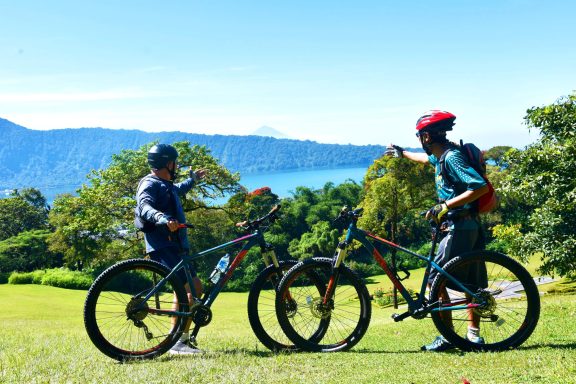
(270, 132)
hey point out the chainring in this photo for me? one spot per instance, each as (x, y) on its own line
(201, 315)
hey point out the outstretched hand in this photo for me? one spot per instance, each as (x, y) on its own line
(198, 173)
(394, 151)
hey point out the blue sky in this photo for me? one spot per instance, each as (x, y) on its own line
(357, 72)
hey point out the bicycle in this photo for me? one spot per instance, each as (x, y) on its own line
(128, 312)
(488, 286)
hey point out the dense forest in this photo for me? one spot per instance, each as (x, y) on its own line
(64, 156)
(85, 233)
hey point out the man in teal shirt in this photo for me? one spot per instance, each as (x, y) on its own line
(459, 193)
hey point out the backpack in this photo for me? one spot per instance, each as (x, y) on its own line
(475, 158)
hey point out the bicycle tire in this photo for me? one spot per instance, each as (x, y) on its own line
(314, 326)
(513, 308)
(140, 335)
(261, 307)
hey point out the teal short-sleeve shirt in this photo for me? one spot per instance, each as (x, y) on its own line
(464, 177)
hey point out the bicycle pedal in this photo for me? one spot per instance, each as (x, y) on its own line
(399, 317)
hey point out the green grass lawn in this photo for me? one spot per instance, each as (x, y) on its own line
(43, 341)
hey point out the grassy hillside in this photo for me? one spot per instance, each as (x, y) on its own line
(43, 340)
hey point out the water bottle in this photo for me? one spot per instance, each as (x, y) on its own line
(220, 268)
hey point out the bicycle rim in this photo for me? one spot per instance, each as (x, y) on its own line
(511, 302)
(261, 308)
(315, 325)
(117, 320)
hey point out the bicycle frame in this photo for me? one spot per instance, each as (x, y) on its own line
(256, 238)
(414, 304)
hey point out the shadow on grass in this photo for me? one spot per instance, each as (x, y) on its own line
(264, 354)
(571, 345)
(567, 346)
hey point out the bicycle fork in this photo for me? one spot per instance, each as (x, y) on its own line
(333, 281)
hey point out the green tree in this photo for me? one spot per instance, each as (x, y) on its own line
(396, 191)
(97, 225)
(27, 251)
(497, 155)
(542, 177)
(24, 211)
(321, 241)
(305, 210)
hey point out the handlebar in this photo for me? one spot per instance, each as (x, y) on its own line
(347, 214)
(270, 217)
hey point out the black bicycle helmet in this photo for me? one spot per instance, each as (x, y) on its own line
(160, 155)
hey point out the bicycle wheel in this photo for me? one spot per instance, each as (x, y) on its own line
(313, 325)
(111, 322)
(511, 301)
(261, 310)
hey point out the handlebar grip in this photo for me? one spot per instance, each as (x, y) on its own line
(275, 209)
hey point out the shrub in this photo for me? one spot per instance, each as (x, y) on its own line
(57, 277)
(363, 269)
(4, 277)
(63, 278)
(21, 278)
(384, 298)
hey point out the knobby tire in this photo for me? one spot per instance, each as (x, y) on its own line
(123, 334)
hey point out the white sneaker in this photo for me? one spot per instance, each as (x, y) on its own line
(475, 339)
(181, 348)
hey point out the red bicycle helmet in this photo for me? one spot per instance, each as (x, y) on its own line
(435, 121)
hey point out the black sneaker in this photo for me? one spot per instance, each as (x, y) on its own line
(440, 344)
(181, 348)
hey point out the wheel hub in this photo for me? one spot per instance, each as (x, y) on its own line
(137, 309)
(488, 304)
(319, 309)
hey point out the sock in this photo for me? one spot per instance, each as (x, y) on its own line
(473, 332)
(185, 337)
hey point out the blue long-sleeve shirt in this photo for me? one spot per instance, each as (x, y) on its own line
(157, 198)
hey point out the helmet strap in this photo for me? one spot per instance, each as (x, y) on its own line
(172, 172)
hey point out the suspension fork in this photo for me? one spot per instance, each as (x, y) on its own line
(333, 281)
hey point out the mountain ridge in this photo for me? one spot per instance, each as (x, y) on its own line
(35, 157)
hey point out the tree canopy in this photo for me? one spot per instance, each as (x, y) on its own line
(98, 223)
(543, 178)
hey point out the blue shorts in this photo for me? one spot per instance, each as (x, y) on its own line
(170, 256)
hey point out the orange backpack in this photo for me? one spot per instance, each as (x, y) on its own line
(475, 158)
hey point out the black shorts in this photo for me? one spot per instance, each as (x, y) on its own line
(170, 256)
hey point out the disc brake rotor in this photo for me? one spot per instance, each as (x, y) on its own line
(319, 309)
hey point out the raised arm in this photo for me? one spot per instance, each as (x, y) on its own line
(397, 151)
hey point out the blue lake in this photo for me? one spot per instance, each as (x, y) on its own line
(284, 183)
(281, 183)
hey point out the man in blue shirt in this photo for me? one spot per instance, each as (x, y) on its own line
(461, 192)
(158, 202)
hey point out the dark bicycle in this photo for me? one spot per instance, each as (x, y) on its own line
(483, 286)
(130, 311)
